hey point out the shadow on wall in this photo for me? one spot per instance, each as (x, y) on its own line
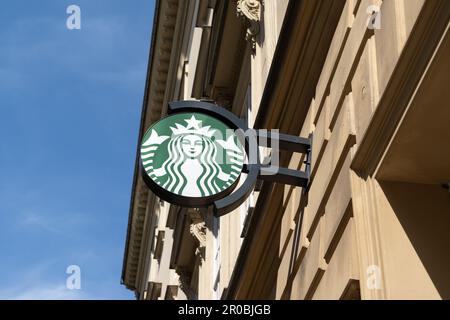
(424, 213)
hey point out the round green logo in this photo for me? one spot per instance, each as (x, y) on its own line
(192, 155)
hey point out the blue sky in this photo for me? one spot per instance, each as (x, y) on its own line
(70, 103)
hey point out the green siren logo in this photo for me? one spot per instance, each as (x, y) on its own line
(192, 155)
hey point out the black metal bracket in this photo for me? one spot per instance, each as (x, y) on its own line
(255, 171)
(283, 175)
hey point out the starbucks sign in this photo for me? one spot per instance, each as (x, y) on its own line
(191, 159)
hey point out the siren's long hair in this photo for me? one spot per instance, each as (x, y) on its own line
(176, 180)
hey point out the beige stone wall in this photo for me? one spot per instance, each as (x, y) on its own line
(333, 258)
(352, 236)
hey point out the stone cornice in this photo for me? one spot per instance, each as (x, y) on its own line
(165, 20)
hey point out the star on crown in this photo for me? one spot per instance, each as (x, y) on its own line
(193, 127)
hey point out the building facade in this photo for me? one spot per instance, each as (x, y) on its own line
(368, 81)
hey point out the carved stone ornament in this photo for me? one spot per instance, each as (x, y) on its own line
(251, 11)
(198, 227)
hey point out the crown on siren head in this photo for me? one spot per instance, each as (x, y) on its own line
(193, 127)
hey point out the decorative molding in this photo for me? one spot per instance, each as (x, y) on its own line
(250, 10)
